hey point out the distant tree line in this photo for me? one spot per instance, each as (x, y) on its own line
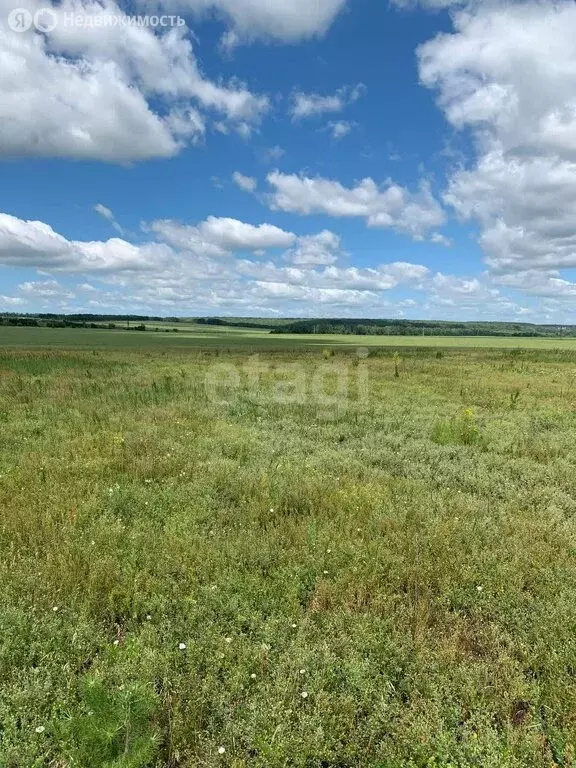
(238, 322)
(400, 327)
(49, 320)
(337, 326)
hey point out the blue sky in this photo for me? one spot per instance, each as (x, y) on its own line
(336, 158)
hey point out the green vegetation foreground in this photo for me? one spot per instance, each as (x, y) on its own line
(209, 560)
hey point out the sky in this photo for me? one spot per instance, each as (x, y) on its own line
(291, 158)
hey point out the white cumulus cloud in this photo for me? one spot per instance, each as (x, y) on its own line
(305, 105)
(284, 20)
(246, 183)
(508, 74)
(389, 206)
(113, 93)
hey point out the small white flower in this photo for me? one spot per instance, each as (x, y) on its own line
(304, 694)
(55, 608)
(221, 750)
(325, 573)
(182, 646)
(116, 642)
(228, 639)
(148, 618)
(479, 588)
(294, 626)
(40, 729)
(253, 676)
(302, 671)
(272, 510)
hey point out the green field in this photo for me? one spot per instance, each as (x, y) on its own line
(217, 558)
(194, 336)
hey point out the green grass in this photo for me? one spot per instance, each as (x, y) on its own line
(201, 336)
(404, 554)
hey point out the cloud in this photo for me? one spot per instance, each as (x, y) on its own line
(288, 21)
(246, 183)
(381, 278)
(9, 302)
(334, 297)
(45, 289)
(440, 239)
(391, 206)
(339, 129)
(315, 250)
(35, 244)
(536, 282)
(435, 5)
(273, 154)
(508, 74)
(305, 105)
(222, 236)
(107, 214)
(116, 93)
(187, 274)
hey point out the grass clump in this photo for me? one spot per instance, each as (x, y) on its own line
(462, 429)
(112, 726)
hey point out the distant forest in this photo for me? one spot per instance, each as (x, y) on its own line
(338, 326)
(422, 328)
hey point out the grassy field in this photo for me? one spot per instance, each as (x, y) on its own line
(201, 336)
(211, 558)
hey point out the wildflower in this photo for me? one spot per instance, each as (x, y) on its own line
(148, 618)
(40, 729)
(329, 551)
(302, 671)
(182, 646)
(304, 694)
(221, 750)
(325, 573)
(479, 588)
(294, 626)
(272, 510)
(253, 676)
(228, 639)
(116, 642)
(55, 608)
